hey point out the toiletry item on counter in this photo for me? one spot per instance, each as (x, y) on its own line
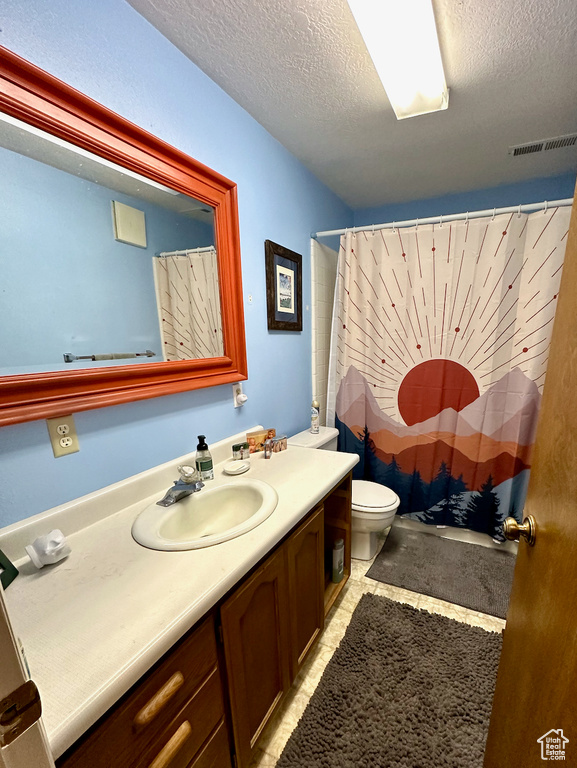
(203, 460)
(315, 421)
(279, 444)
(240, 451)
(49, 549)
(338, 561)
(256, 439)
(268, 448)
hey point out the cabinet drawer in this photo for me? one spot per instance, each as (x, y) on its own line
(183, 738)
(128, 730)
(215, 754)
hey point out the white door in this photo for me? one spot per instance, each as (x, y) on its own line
(30, 748)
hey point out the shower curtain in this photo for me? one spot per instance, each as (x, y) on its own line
(188, 302)
(438, 358)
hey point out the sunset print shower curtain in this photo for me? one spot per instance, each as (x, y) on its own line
(439, 353)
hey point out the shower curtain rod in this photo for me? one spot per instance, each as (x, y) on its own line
(204, 249)
(453, 217)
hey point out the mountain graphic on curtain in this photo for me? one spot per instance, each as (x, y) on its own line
(440, 345)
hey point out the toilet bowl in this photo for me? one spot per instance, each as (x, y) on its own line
(373, 505)
(374, 509)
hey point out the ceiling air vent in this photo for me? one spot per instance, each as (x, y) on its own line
(557, 142)
(561, 141)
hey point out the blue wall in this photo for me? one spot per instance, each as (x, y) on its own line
(524, 192)
(55, 227)
(109, 52)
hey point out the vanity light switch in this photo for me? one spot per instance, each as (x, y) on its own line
(63, 437)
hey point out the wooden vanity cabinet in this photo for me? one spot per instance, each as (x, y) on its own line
(173, 717)
(178, 715)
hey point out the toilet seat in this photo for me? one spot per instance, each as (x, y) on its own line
(373, 499)
(374, 517)
(363, 512)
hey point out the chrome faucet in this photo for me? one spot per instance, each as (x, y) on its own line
(186, 484)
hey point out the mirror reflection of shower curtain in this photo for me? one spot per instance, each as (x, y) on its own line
(188, 301)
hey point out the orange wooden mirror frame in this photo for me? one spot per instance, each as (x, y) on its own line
(32, 95)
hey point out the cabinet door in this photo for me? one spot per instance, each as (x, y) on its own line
(254, 627)
(305, 550)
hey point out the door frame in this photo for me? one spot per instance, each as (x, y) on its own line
(31, 747)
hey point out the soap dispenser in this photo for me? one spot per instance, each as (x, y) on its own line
(204, 460)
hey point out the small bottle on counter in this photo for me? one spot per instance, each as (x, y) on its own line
(268, 448)
(203, 460)
(315, 422)
(241, 451)
(338, 561)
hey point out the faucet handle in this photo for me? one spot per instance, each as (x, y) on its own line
(188, 474)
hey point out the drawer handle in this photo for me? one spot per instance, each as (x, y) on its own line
(172, 746)
(151, 709)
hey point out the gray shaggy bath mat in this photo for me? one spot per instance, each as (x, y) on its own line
(465, 574)
(404, 689)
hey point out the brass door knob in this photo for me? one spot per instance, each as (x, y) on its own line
(513, 531)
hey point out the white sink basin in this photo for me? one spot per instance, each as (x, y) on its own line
(208, 517)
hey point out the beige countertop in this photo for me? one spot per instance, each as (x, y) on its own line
(94, 623)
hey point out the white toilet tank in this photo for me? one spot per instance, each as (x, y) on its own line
(326, 439)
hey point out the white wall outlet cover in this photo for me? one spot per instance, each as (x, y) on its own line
(63, 437)
(129, 224)
(238, 396)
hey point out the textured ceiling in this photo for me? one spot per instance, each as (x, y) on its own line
(301, 69)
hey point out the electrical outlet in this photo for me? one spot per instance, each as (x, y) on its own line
(238, 397)
(63, 437)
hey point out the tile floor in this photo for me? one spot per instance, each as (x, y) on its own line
(282, 725)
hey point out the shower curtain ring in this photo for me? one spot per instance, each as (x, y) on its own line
(394, 230)
(494, 212)
(546, 206)
(519, 212)
(440, 222)
(417, 226)
(467, 218)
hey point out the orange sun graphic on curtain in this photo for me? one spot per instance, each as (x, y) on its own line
(432, 386)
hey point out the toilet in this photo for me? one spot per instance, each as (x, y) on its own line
(374, 505)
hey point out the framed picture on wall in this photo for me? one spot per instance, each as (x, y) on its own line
(283, 288)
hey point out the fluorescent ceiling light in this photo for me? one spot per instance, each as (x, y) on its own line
(401, 38)
(83, 152)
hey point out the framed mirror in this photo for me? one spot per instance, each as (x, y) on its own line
(119, 257)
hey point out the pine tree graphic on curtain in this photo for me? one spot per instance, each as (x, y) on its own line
(441, 337)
